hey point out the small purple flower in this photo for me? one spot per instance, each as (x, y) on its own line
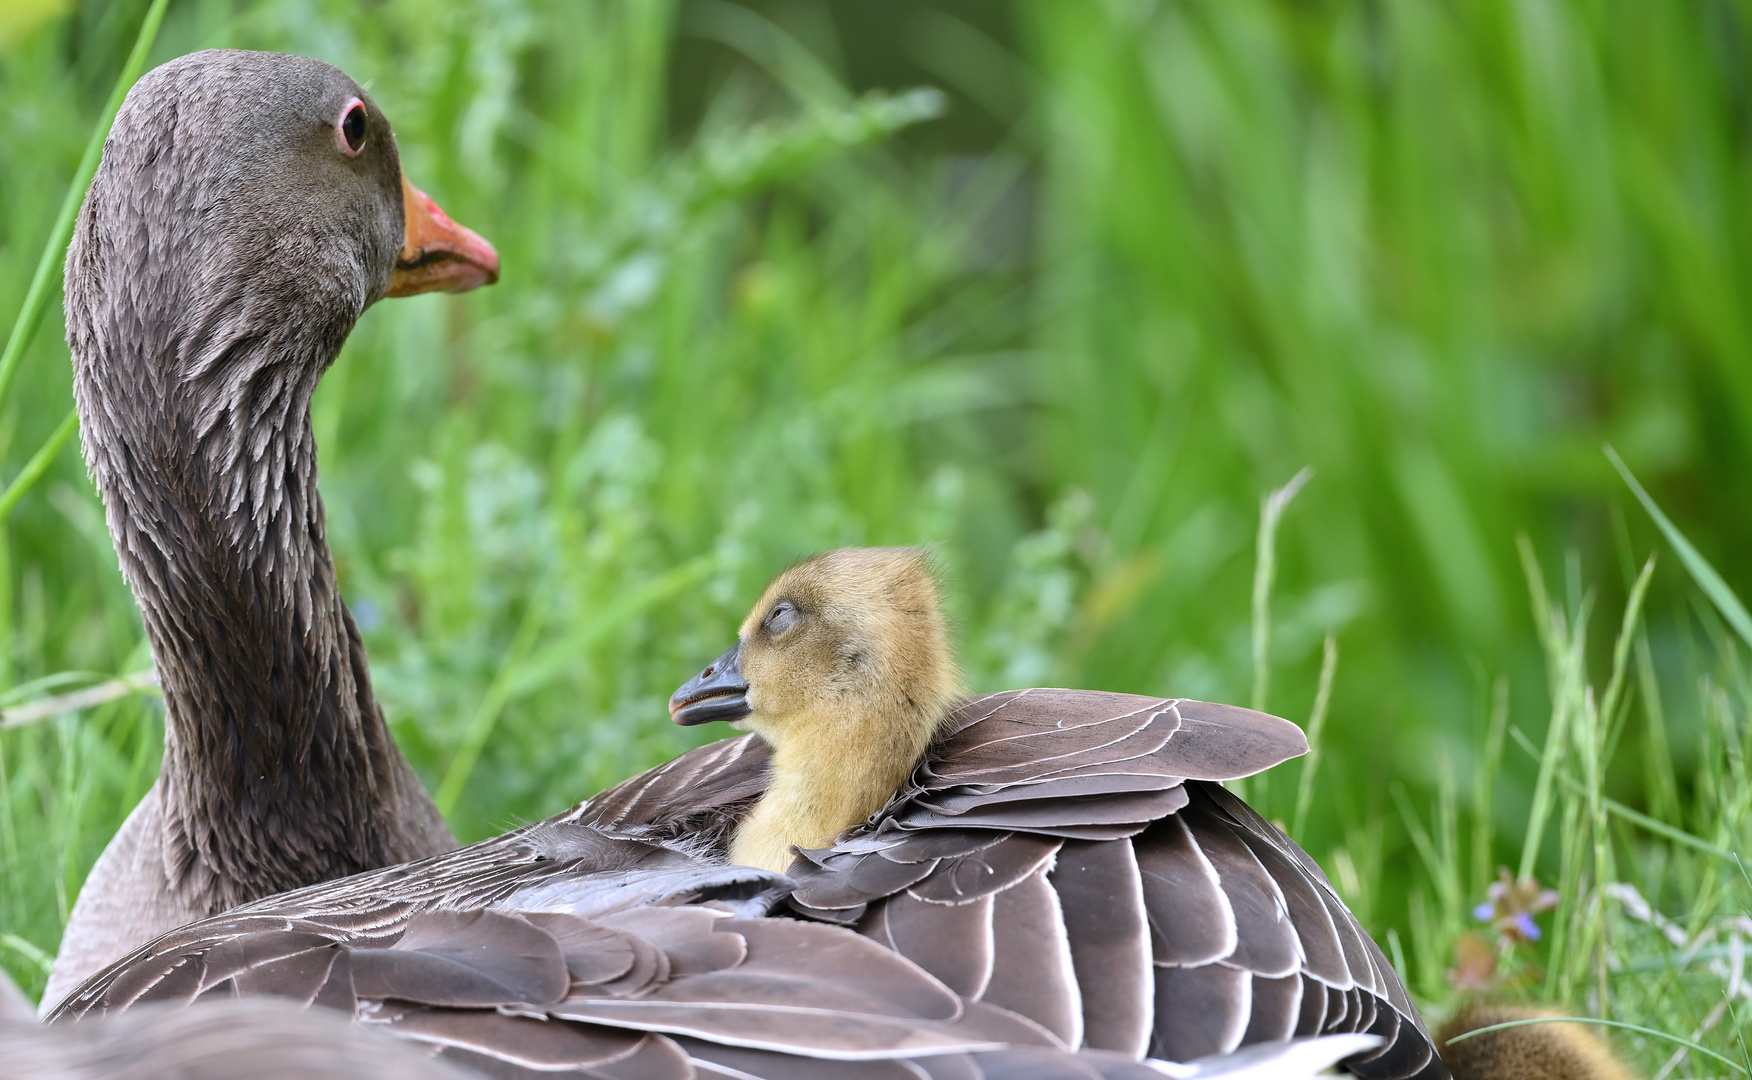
(1512, 905)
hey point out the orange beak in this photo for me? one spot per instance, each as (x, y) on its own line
(438, 254)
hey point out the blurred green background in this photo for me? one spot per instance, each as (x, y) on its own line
(1139, 264)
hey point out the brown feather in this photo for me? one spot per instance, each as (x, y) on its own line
(1101, 893)
(1031, 962)
(1275, 1006)
(1265, 939)
(1200, 1011)
(951, 941)
(1190, 919)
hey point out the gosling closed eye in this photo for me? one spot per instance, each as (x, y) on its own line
(781, 618)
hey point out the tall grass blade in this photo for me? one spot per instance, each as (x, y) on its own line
(1701, 571)
(36, 300)
(38, 464)
(1484, 788)
(140, 682)
(1564, 659)
(1316, 725)
(1621, 650)
(1271, 512)
(1661, 828)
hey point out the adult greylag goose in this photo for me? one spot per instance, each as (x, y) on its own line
(558, 950)
(248, 208)
(1070, 855)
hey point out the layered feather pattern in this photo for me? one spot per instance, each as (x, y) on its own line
(560, 951)
(1071, 856)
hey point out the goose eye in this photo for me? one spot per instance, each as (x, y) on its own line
(350, 128)
(780, 618)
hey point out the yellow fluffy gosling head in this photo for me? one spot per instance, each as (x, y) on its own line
(843, 667)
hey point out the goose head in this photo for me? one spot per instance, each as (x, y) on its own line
(844, 667)
(249, 199)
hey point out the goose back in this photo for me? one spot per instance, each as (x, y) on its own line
(1072, 856)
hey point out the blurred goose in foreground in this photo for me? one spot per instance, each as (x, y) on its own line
(13, 1004)
(1066, 854)
(249, 1039)
(559, 951)
(248, 208)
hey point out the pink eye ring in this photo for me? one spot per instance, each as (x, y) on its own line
(350, 128)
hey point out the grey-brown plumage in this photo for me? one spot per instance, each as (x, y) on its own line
(248, 1039)
(559, 950)
(1068, 854)
(248, 207)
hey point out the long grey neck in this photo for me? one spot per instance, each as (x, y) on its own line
(279, 770)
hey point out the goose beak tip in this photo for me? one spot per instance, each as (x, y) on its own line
(437, 254)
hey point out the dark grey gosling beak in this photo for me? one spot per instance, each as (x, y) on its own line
(717, 693)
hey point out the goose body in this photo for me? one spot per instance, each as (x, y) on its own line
(562, 950)
(1067, 854)
(247, 209)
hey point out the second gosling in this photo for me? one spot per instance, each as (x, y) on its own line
(845, 669)
(1558, 1050)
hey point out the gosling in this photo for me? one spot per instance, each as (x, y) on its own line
(845, 669)
(1554, 1051)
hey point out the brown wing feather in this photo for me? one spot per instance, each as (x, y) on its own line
(720, 775)
(1101, 893)
(1032, 972)
(951, 941)
(1265, 940)
(1275, 1006)
(1200, 1011)
(492, 989)
(1346, 983)
(1191, 922)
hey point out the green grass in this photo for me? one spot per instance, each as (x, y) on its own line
(1155, 260)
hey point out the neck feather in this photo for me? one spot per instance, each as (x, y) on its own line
(278, 769)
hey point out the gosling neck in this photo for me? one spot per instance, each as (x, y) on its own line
(831, 769)
(278, 768)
